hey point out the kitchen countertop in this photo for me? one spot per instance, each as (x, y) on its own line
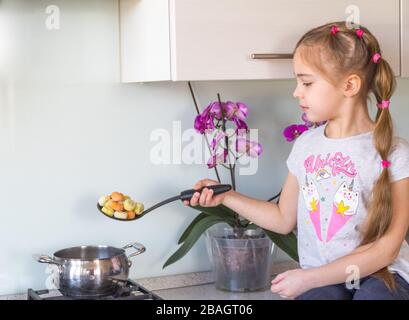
(200, 286)
(194, 286)
(210, 292)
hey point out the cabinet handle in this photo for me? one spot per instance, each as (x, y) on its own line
(271, 56)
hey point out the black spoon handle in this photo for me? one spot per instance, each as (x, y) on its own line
(217, 189)
(157, 206)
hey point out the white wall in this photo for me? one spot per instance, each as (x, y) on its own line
(70, 132)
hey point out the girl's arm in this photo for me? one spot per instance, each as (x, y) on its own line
(374, 256)
(268, 215)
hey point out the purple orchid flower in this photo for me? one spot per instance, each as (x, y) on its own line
(205, 120)
(232, 111)
(294, 131)
(214, 109)
(217, 159)
(220, 135)
(235, 110)
(201, 125)
(251, 148)
(241, 126)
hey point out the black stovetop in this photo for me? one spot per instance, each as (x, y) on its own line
(129, 291)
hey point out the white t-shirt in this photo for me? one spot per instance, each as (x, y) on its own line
(336, 177)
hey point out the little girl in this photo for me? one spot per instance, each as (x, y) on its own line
(350, 176)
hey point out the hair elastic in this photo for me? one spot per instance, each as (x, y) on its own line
(334, 30)
(386, 163)
(384, 104)
(376, 57)
(359, 33)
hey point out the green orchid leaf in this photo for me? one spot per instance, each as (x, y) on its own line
(188, 230)
(287, 243)
(206, 211)
(219, 211)
(199, 228)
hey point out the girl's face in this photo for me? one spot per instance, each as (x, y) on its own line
(322, 100)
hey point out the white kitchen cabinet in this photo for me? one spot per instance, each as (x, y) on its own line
(215, 39)
(405, 38)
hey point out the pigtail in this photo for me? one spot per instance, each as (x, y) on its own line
(380, 209)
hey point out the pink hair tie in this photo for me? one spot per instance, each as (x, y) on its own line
(334, 30)
(385, 163)
(376, 57)
(384, 104)
(359, 33)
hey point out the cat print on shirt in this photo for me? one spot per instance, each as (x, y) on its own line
(312, 202)
(344, 206)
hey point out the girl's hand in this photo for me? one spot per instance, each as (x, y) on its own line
(292, 283)
(206, 198)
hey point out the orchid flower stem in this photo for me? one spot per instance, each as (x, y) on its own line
(232, 135)
(231, 168)
(231, 153)
(237, 158)
(207, 141)
(227, 143)
(193, 97)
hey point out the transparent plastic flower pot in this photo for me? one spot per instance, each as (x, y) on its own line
(240, 264)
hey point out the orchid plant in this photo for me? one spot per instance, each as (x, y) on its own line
(213, 122)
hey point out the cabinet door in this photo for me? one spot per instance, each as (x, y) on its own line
(405, 39)
(144, 40)
(215, 39)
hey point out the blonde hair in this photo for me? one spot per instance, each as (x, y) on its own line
(336, 56)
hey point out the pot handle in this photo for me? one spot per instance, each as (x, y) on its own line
(140, 248)
(43, 258)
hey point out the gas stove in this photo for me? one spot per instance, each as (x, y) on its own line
(130, 290)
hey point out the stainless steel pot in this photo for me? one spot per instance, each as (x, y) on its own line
(91, 271)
